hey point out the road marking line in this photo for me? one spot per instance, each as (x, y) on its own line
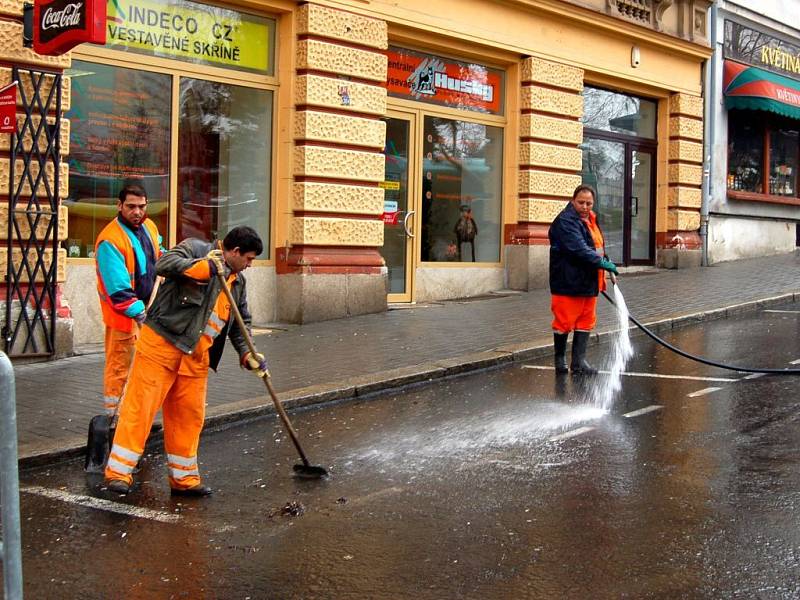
(643, 411)
(703, 392)
(570, 434)
(655, 375)
(102, 504)
(794, 312)
(754, 376)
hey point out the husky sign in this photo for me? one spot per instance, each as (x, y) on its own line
(60, 25)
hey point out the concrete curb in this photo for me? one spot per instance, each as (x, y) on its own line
(357, 388)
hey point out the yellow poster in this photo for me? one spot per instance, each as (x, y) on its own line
(190, 31)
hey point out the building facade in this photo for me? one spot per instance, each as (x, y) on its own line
(385, 152)
(753, 130)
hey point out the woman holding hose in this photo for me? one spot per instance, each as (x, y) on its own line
(577, 265)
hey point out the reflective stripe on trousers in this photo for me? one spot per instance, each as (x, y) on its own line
(156, 383)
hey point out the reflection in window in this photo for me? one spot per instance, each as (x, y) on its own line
(461, 191)
(604, 170)
(783, 161)
(223, 159)
(120, 121)
(609, 111)
(745, 153)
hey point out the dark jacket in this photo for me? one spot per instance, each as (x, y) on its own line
(574, 261)
(182, 306)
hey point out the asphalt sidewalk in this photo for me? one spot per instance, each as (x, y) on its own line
(353, 357)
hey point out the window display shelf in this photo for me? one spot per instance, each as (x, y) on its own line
(755, 197)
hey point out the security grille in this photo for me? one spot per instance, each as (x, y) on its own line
(32, 239)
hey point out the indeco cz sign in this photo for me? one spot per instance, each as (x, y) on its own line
(60, 25)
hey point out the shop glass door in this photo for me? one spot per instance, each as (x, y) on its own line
(642, 220)
(622, 173)
(398, 211)
(604, 170)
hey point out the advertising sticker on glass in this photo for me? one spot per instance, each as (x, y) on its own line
(428, 78)
(192, 32)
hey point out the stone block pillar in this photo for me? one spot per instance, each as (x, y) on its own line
(680, 245)
(332, 267)
(33, 199)
(549, 165)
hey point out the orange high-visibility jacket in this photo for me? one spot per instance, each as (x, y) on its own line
(118, 255)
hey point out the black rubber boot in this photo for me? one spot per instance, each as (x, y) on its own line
(579, 365)
(560, 348)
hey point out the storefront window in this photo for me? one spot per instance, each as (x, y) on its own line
(461, 191)
(120, 121)
(783, 161)
(745, 154)
(604, 110)
(748, 139)
(224, 158)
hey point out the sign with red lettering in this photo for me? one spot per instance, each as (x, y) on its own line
(60, 25)
(391, 218)
(429, 78)
(8, 108)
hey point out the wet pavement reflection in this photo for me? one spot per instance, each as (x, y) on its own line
(475, 487)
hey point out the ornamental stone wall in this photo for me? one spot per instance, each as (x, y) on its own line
(549, 164)
(680, 245)
(335, 228)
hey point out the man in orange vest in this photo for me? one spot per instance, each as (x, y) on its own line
(577, 262)
(125, 255)
(182, 337)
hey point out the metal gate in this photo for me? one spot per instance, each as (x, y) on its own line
(33, 201)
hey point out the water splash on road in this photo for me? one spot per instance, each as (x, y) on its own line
(622, 349)
(468, 437)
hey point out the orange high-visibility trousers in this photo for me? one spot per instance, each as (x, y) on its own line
(119, 347)
(162, 377)
(573, 312)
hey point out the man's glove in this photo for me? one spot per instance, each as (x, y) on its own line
(140, 317)
(609, 266)
(216, 261)
(256, 363)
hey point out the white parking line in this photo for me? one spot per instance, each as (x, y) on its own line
(754, 376)
(655, 375)
(643, 411)
(794, 312)
(570, 434)
(703, 392)
(101, 504)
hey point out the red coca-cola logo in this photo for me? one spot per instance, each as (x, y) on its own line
(60, 25)
(69, 16)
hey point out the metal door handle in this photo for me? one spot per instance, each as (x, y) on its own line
(405, 223)
(634, 206)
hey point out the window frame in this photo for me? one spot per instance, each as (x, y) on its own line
(766, 127)
(178, 69)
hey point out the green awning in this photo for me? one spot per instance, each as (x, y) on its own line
(752, 88)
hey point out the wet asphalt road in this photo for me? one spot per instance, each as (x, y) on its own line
(504, 484)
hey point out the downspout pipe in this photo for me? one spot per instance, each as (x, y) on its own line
(710, 69)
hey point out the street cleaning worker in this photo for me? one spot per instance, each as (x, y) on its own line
(577, 265)
(125, 256)
(183, 335)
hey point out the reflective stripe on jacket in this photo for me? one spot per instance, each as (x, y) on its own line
(118, 256)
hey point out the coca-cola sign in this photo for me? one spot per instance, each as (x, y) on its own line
(60, 25)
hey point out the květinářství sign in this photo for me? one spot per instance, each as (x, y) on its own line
(190, 31)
